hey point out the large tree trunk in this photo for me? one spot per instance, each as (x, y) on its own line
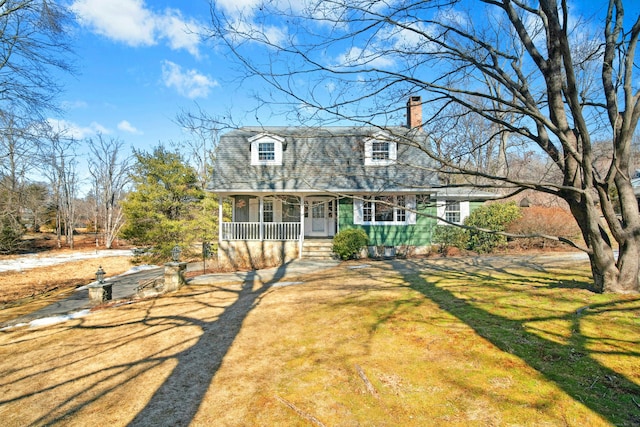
(609, 275)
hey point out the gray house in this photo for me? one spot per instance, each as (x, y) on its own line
(293, 188)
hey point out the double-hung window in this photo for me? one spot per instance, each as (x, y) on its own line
(380, 150)
(267, 211)
(266, 151)
(452, 211)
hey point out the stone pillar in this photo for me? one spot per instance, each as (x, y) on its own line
(173, 276)
(99, 293)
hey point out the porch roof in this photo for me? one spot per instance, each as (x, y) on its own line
(327, 159)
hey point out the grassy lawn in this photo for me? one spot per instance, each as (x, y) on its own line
(411, 343)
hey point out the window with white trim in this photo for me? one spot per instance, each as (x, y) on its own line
(401, 213)
(380, 150)
(452, 211)
(391, 210)
(267, 211)
(266, 151)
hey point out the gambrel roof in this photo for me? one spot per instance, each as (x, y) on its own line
(323, 159)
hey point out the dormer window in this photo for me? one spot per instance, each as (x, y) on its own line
(380, 150)
(266, 150)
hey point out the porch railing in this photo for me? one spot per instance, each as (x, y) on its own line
(251, 231)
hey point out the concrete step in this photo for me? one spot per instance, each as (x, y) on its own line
(317, 249)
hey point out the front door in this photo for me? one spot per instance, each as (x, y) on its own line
(320, 217)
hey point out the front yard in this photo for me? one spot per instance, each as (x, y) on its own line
(482, 341)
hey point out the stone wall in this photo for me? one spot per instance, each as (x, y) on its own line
(256, 254)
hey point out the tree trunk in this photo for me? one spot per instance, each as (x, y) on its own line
(608, 275)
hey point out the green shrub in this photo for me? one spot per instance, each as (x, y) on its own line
(448, 236)
(11, 232)
(347, 243)
(496, 217)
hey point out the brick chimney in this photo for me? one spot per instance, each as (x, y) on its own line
(414, 112)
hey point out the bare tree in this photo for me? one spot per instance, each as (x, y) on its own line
(33, 44)
(205, 132)
(60, 161)
(110, 172)
(529, 68)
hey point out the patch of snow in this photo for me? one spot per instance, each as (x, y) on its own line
(52, 320)
(26, 262)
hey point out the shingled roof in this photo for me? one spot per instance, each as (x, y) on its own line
(324, 159)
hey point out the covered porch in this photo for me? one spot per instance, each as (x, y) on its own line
(270, 229)
(279, 217)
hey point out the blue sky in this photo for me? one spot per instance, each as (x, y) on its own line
(141, 62)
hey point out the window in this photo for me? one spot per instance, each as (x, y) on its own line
(266, 151)
(452, 211)
(384, 210)
(401, 213)
(380, 150)
(367, 210)
(267, 211)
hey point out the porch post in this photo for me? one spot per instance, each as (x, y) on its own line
(301, 237)
(220, 210)
(261, 215)
(336, 206)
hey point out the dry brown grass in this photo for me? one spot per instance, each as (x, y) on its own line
(230, 355)
(18, 285)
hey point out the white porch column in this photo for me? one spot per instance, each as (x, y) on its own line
(337, 214)
(220, 210)
(301, 237)
(261, 215)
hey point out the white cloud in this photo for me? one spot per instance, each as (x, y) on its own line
(188, 83)
(73, 130)
(125, 126)
(132, 23)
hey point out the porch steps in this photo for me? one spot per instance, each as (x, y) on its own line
(317, 249)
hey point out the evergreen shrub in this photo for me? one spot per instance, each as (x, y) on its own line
(348, 243)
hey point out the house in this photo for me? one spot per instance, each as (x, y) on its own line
(292, 189)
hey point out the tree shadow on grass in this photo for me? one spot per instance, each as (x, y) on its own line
(177, 400)
(570, 366)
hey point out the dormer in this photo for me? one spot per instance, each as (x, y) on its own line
(266, 149)
(380, 150)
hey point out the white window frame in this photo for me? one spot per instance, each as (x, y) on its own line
(370, 155)
(404, 205)
(442, 210)
(266, 151)
(268, 210)
(262, 139)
